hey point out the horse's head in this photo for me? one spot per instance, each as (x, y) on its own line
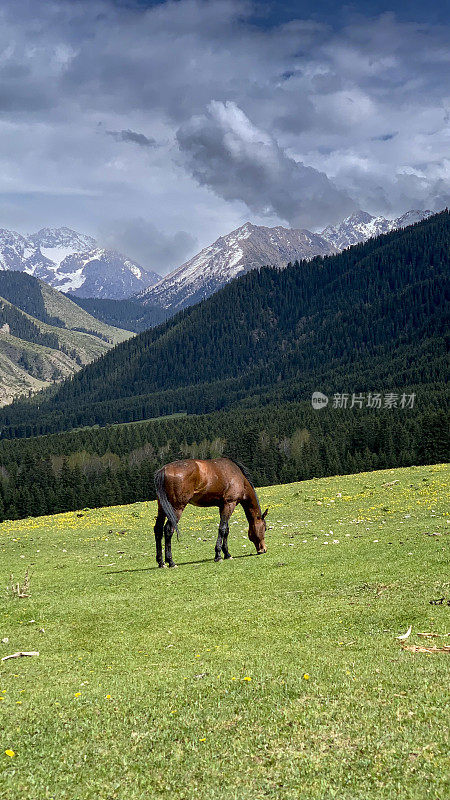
(257, 532)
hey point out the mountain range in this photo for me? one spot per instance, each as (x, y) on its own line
(371, 318)
(362, 226)
(74, 263)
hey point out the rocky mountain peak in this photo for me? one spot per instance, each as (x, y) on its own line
(73, 262)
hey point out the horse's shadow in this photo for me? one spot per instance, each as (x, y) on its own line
(182, 564)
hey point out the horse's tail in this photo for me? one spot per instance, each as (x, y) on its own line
(164, 500)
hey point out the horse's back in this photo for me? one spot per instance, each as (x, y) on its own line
(204, 481)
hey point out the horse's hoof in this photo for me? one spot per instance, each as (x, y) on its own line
(172, 565)
(228, 557)
(161, 566)
(217, 559)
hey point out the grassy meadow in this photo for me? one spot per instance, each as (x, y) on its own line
(263, 677)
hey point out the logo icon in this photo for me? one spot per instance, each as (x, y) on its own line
(319, 400)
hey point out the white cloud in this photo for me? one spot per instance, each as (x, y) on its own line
(229, 154)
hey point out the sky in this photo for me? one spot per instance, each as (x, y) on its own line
(158, 126)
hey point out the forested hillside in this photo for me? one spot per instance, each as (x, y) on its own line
(40, 301)
(278, 442)
(370, 318)
(44, 337)
(129, 314)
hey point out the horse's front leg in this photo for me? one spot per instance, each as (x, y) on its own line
(222, 539)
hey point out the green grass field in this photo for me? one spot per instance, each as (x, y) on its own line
(263, 677)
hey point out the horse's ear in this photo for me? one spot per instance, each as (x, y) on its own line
(263, 516)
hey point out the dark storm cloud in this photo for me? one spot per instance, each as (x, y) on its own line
(134, 137)
(225, 152)
(384, 137)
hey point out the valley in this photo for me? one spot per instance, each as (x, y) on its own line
(373, 315)
(224, 281)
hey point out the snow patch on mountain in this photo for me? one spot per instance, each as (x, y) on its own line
(103, 274)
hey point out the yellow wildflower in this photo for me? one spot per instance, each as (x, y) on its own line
(306, 676)
(10, 753)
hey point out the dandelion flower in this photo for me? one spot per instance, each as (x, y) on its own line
(306, 676)
(77, 694)
(107, 697)
(10, 753)
(203, 740)
(247, 679)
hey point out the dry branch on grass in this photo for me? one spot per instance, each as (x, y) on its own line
(20, 654)
(416, 648)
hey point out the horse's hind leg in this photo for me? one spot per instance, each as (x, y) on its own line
(159, 530)
(168, 533)
(222, 539)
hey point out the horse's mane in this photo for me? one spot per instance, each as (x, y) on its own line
(245, 473)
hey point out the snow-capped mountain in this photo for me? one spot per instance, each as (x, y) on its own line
(253, 246)
(72, 262)
(362, 226)
(103, 274)
(246, 248)
(58, 243)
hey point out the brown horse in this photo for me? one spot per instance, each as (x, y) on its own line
(218, 482)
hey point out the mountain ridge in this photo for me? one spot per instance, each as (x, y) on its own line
(254, 246)
(361, 226)
(246, 248)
